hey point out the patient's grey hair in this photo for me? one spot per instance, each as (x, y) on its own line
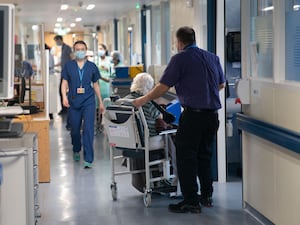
(142, 83)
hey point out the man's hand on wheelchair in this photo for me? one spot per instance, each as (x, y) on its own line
(138, 102)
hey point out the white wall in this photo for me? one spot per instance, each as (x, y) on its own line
(271, 173)
(275, 103)
(271, 183)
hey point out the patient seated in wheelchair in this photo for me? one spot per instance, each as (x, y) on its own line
(125, 128)
(141, 85)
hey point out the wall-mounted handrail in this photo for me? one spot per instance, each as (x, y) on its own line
(275, 134)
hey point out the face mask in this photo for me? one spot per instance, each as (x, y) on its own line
(80, 54)
(101, 52)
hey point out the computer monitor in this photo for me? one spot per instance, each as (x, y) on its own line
(7, 22)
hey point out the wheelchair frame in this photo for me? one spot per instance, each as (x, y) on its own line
(120, 137)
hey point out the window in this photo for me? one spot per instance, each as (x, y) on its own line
(292, 40)
(261, 40)
(156, 31)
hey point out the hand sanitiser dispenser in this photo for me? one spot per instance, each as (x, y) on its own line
(243, 91)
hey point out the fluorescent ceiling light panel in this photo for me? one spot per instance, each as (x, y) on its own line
(296, 7)
(269, 8)
(34, 27)
(64, 7)
(90, 7)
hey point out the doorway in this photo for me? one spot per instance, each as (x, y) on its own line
(232, 74)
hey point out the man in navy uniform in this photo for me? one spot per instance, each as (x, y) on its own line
(197, 76)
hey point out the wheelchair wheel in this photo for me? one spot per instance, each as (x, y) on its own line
(114, 192)
(147, 198)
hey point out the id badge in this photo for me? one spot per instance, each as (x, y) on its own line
(80, 90)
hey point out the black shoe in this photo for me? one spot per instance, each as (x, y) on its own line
(68, 127)
(206, 201)
(184, 207)
(62, 112)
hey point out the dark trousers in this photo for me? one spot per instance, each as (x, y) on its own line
(194, 140)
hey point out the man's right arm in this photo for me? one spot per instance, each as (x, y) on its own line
(221, 86)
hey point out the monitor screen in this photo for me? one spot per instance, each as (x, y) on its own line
(234, 46)
(6, 51)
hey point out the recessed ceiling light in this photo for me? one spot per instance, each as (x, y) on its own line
(59, 19)
(78, 19)
(64, 7)
(68, 29)
(90, 7)
(269, 8)
(72, 24)
(57, 25)
(34, 27)
(296, 7)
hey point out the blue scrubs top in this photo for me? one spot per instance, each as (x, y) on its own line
(90, 75)
(196, 75)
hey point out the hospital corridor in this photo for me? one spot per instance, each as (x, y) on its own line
(149, 112)
(78, 196)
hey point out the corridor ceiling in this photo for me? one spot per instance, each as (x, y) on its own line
(47, 11)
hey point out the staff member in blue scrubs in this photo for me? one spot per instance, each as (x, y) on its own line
(80, 78)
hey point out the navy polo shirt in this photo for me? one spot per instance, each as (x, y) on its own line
(90, 74)
(196, 75)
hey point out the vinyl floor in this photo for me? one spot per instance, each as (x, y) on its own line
(78, 196)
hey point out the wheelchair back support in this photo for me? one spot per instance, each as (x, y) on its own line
(124, 127)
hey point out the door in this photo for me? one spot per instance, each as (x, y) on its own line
(14, 188)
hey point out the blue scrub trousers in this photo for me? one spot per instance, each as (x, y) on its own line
(85, 115)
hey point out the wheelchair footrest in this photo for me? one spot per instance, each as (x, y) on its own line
(140, 154)
(164, 187)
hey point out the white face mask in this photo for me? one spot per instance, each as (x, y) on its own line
(101, 52)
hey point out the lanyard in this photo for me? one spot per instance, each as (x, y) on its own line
(81, 72)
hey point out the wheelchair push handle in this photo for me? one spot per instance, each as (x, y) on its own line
(129, 100)
(124, 100)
